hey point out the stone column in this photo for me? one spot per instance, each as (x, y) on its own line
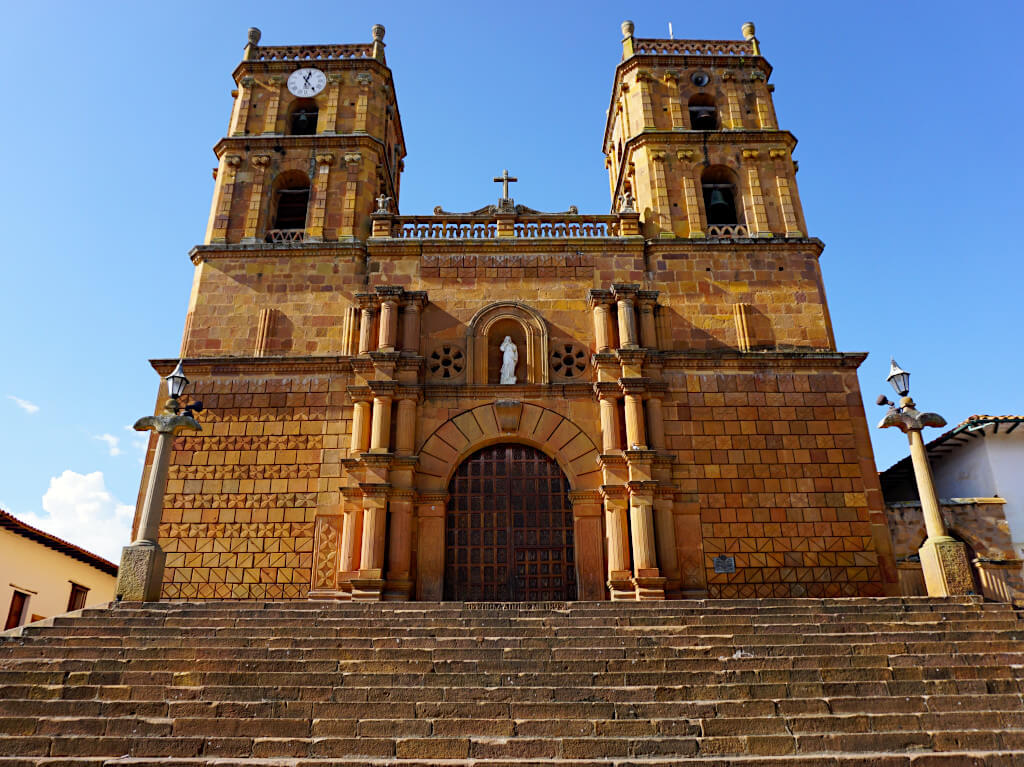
(943, 558)
(330, 119)
(756, 215)
(405, 426)
(660, 192)
(611, 440)
(617, 532)
(369, 585)
(360, 425)
(589, 546)
(222, 212)
(430, 511)
(366, 329)
(602, 325)
(786, 193)
(351, 543)
(411, 326)
(646, 575)
(364, 80)
(644, 83)
(627, 323)
(349, 221)
(140, 575)
(240, 115)
(691, 200)
(318, 214)
(732, 117)
(273, 104)
(665, 539)
(399, 584)
(675, 102)
(252, 215)
(655, 422)
(648, 330)
(635, 437)
(380, 429)
(388, 331)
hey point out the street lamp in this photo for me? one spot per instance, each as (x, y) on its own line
(142, 562)
(943, 558)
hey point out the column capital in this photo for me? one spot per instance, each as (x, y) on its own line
(367, 301)
(624, 291)
(614, 493)
(232, 160)
(409, 394)
(414, 299)
(582, 497)
(383, 388)
(325, 159)
(352, 160)
(647, 297)
(360, 393)
(261, 161)
(596, 297)
(607, 390)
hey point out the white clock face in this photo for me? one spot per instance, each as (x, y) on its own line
(306, 82)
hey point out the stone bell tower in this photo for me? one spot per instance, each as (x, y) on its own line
(316, 126)
(692, 138)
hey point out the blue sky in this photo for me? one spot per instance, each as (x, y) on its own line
(907, 115)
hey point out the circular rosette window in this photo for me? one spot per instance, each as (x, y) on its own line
(446, 362)
(569, 361)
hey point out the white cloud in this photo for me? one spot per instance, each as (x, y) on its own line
(81, 510)
(111, 441)
(29, 407)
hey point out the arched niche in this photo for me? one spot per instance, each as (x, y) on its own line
(489, 327)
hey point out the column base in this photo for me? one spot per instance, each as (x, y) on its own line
(947, 572)
(398, 590)
(649, 585)
(620, 586)
(141, 573)
(368, 586)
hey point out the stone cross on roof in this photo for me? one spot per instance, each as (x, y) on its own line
(504, 179)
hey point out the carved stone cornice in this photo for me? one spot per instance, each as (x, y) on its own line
(382, 388)
(597, 297)
(631, 356)
(634, 386)
(359, 393)
(607, 390)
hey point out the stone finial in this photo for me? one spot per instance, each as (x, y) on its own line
(748, 34)
(627, 28)
(252, 43)
(378, 33)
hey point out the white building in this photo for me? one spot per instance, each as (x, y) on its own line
(42, 575)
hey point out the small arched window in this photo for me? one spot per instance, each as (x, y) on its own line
(719, 196)
(290, 202)
(303, 118)
(703, 114)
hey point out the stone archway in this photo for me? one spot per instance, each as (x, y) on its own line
(526, 327)
(509, 528)
(464, 434)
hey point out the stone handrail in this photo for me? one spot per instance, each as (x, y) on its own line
(314, 52)
(567, 226)
(486, 227)
(694, 47)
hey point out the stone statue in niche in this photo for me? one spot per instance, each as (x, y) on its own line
(509, 358)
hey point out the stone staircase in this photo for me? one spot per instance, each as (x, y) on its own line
(803, 683)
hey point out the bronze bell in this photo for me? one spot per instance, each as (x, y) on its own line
(718, 203)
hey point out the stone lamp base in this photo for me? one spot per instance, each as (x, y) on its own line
(141, 573)
(947, 572)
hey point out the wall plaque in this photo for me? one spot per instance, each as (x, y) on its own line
(724, 564)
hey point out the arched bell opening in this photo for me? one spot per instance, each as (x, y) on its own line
(289, 207)
(703, 112)
(509, 534)
(719, 186)
(303, 118)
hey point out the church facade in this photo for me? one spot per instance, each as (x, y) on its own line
(507, 404)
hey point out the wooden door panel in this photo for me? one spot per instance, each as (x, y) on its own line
(509, 529)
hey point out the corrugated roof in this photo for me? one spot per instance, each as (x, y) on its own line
(898, 479)
(15, 525)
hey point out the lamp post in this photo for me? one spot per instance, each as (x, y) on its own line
(943, 558)
(142, 562)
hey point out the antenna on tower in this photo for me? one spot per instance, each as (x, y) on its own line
(670, 37)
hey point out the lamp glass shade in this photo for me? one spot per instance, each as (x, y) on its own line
(176, 382)
(899, 378)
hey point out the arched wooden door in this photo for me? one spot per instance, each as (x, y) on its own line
(509, 529)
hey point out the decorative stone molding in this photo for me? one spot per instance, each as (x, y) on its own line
(446, 362)
(352, 159)
(569, 360)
